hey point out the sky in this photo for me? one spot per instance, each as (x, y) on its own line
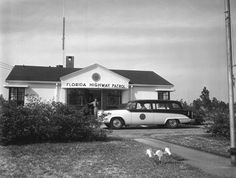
(181, 40)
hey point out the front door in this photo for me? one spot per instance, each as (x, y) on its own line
(92, 94)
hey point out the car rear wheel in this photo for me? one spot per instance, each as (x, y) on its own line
(172, 123)
(117, 123)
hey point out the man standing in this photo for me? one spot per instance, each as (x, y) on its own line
(95, 107)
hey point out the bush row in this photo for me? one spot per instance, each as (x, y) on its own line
(46, 122)
(211, 112)
(219, 124)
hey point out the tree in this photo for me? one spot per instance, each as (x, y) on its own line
(213, 112)
(202, 106)
(205, 99)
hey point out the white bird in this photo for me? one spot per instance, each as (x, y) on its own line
(160, 153)
(150, 153)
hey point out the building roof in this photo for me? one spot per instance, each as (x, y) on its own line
(53, 74)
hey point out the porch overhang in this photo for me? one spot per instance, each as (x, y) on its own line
(15, 86)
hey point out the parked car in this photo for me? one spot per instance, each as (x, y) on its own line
(147, 112)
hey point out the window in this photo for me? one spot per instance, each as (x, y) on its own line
(163, 95)
(113, 98)
(17, 94)
(176, 106)
(75, 97)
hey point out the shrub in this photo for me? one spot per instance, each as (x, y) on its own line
(198, 114)
(212, 112)
(220, 125)
(218, 119)
(38, 121)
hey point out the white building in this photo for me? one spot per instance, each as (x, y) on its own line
(78, 86)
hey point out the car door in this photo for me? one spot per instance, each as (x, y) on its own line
(142, 113)
(161, 112)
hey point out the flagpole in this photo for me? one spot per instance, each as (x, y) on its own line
(230, 81)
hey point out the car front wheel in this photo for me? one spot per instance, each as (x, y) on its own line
(172, 123)
(117, 123)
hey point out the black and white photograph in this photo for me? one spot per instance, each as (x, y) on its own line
(117, 88)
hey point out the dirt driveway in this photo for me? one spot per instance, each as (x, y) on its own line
(155, 132)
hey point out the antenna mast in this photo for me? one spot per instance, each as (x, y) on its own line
(63, 33)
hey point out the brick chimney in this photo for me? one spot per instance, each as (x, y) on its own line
(69, 61)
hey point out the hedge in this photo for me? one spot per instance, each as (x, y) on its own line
(39, 121)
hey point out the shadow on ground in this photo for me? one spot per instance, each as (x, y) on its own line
(144, 127)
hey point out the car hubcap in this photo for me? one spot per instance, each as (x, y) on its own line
(173, 123)
(116, 123)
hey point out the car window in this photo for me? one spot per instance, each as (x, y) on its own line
(154, 106)
(131, 106)
(143, 106)
(161, 106)
(176, 106)
(168, 105)
(148, 106)
(138, 106)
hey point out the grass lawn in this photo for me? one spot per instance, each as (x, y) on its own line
(114, 158)
(204, 142)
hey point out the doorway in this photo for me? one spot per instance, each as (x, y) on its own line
(92, 94)
(107, 99)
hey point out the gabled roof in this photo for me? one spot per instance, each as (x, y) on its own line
(53, 74)
(92, 67)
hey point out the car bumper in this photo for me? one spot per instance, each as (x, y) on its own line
(190, 121)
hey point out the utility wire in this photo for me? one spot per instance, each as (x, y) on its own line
(5, 64)
(9, 67)
(2, 67)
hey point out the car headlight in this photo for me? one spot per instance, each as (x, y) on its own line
(104, 115)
